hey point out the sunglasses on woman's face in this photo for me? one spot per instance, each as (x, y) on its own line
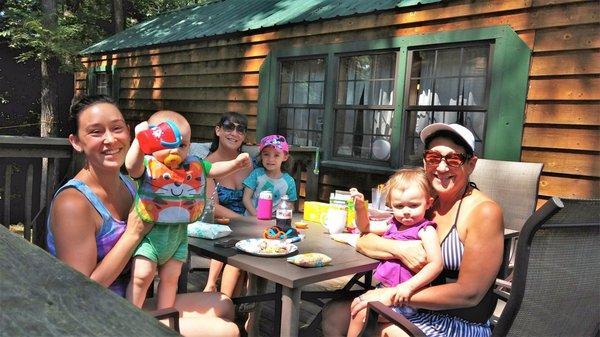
(434, 158)
(230, 127)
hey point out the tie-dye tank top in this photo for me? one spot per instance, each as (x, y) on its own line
(108, 235)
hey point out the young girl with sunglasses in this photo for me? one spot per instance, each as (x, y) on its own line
(270, 175)
(409, 196)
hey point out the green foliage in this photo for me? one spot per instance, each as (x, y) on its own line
(80, 24)
(24, 30)
(141, 10)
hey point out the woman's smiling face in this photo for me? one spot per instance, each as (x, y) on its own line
(444, 177)
(103, 136)
(230, 138)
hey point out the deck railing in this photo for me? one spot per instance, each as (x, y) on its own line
(31, 169)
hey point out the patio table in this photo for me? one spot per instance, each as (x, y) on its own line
(288, 278)
(42, 296)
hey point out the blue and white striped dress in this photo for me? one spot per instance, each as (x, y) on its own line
(439, 324)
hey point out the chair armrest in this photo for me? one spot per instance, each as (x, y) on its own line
(374, 309)
(170, 313)
(502, 288)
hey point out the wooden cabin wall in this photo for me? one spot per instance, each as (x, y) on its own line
(562, 117)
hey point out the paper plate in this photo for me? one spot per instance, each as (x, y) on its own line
(265, 247)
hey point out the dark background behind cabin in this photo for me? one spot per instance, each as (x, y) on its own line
(20, 116)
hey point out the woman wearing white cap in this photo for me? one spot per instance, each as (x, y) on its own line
(469, 225)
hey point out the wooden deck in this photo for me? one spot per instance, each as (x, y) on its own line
(197, 280)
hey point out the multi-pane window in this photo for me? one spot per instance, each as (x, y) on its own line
(364, 107)
(448, 85)
(102, 86)
(301, 107)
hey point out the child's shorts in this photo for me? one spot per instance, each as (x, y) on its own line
(164, 242)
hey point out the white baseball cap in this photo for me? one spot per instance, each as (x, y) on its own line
(457, 129)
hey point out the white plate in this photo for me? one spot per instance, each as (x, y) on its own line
(260, 247)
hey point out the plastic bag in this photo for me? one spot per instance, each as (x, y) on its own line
(310, 260)
(205, 230)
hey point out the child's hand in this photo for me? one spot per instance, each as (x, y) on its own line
(141, 127)
(403, 294)
(243, 161)
(356, 196)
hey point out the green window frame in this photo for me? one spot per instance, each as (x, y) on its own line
(103, 80)
(508, 74)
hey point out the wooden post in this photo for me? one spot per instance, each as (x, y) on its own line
(28, 201)
(7, 179)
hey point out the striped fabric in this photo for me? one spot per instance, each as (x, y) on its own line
(452, 250)
(440, 325)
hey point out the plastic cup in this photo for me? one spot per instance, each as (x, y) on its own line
(165, 135)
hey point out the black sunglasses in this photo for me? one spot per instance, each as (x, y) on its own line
(434, 158)
(230, 127)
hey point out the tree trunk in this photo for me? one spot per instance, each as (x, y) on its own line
(49, 70)
(118, 17)
(49, 99)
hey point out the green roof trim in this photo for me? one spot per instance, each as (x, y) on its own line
(231, 16)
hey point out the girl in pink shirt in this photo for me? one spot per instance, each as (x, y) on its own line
(409, 197)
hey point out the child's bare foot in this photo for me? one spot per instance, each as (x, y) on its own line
(210, 288)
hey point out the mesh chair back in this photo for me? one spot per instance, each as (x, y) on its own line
(513, 185)
(555, 290)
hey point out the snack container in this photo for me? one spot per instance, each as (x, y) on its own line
(314, 209)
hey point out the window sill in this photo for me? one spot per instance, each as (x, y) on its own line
(357, 167)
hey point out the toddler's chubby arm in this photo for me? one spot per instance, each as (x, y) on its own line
(362, 214)
(134, 161)
(430, 271)
(247, 200)
(223, 168)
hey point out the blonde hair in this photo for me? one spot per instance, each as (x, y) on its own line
(404, 178)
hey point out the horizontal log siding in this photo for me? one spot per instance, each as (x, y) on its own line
(209, 76)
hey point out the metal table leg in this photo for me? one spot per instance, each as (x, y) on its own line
(290, 312)
(256, 286)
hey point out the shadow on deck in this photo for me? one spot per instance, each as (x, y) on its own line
(308, 311)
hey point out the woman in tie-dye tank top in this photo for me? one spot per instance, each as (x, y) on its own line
(90, 226)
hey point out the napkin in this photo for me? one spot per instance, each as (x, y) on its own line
(348, 238)
(205, 230)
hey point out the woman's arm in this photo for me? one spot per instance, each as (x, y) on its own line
(411, 253)
(480, 263)
(74, 226)
(247, 200)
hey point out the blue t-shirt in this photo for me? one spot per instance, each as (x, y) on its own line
(259, 181)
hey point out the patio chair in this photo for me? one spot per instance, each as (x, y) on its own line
(555, 285)
(513, 185)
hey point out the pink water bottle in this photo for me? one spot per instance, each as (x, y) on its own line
(265, 205)
(165, 135)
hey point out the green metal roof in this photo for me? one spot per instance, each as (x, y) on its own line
(230, 16)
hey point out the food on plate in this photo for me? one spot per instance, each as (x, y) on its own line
(222, 221)
(301, 225)
(272, 247)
